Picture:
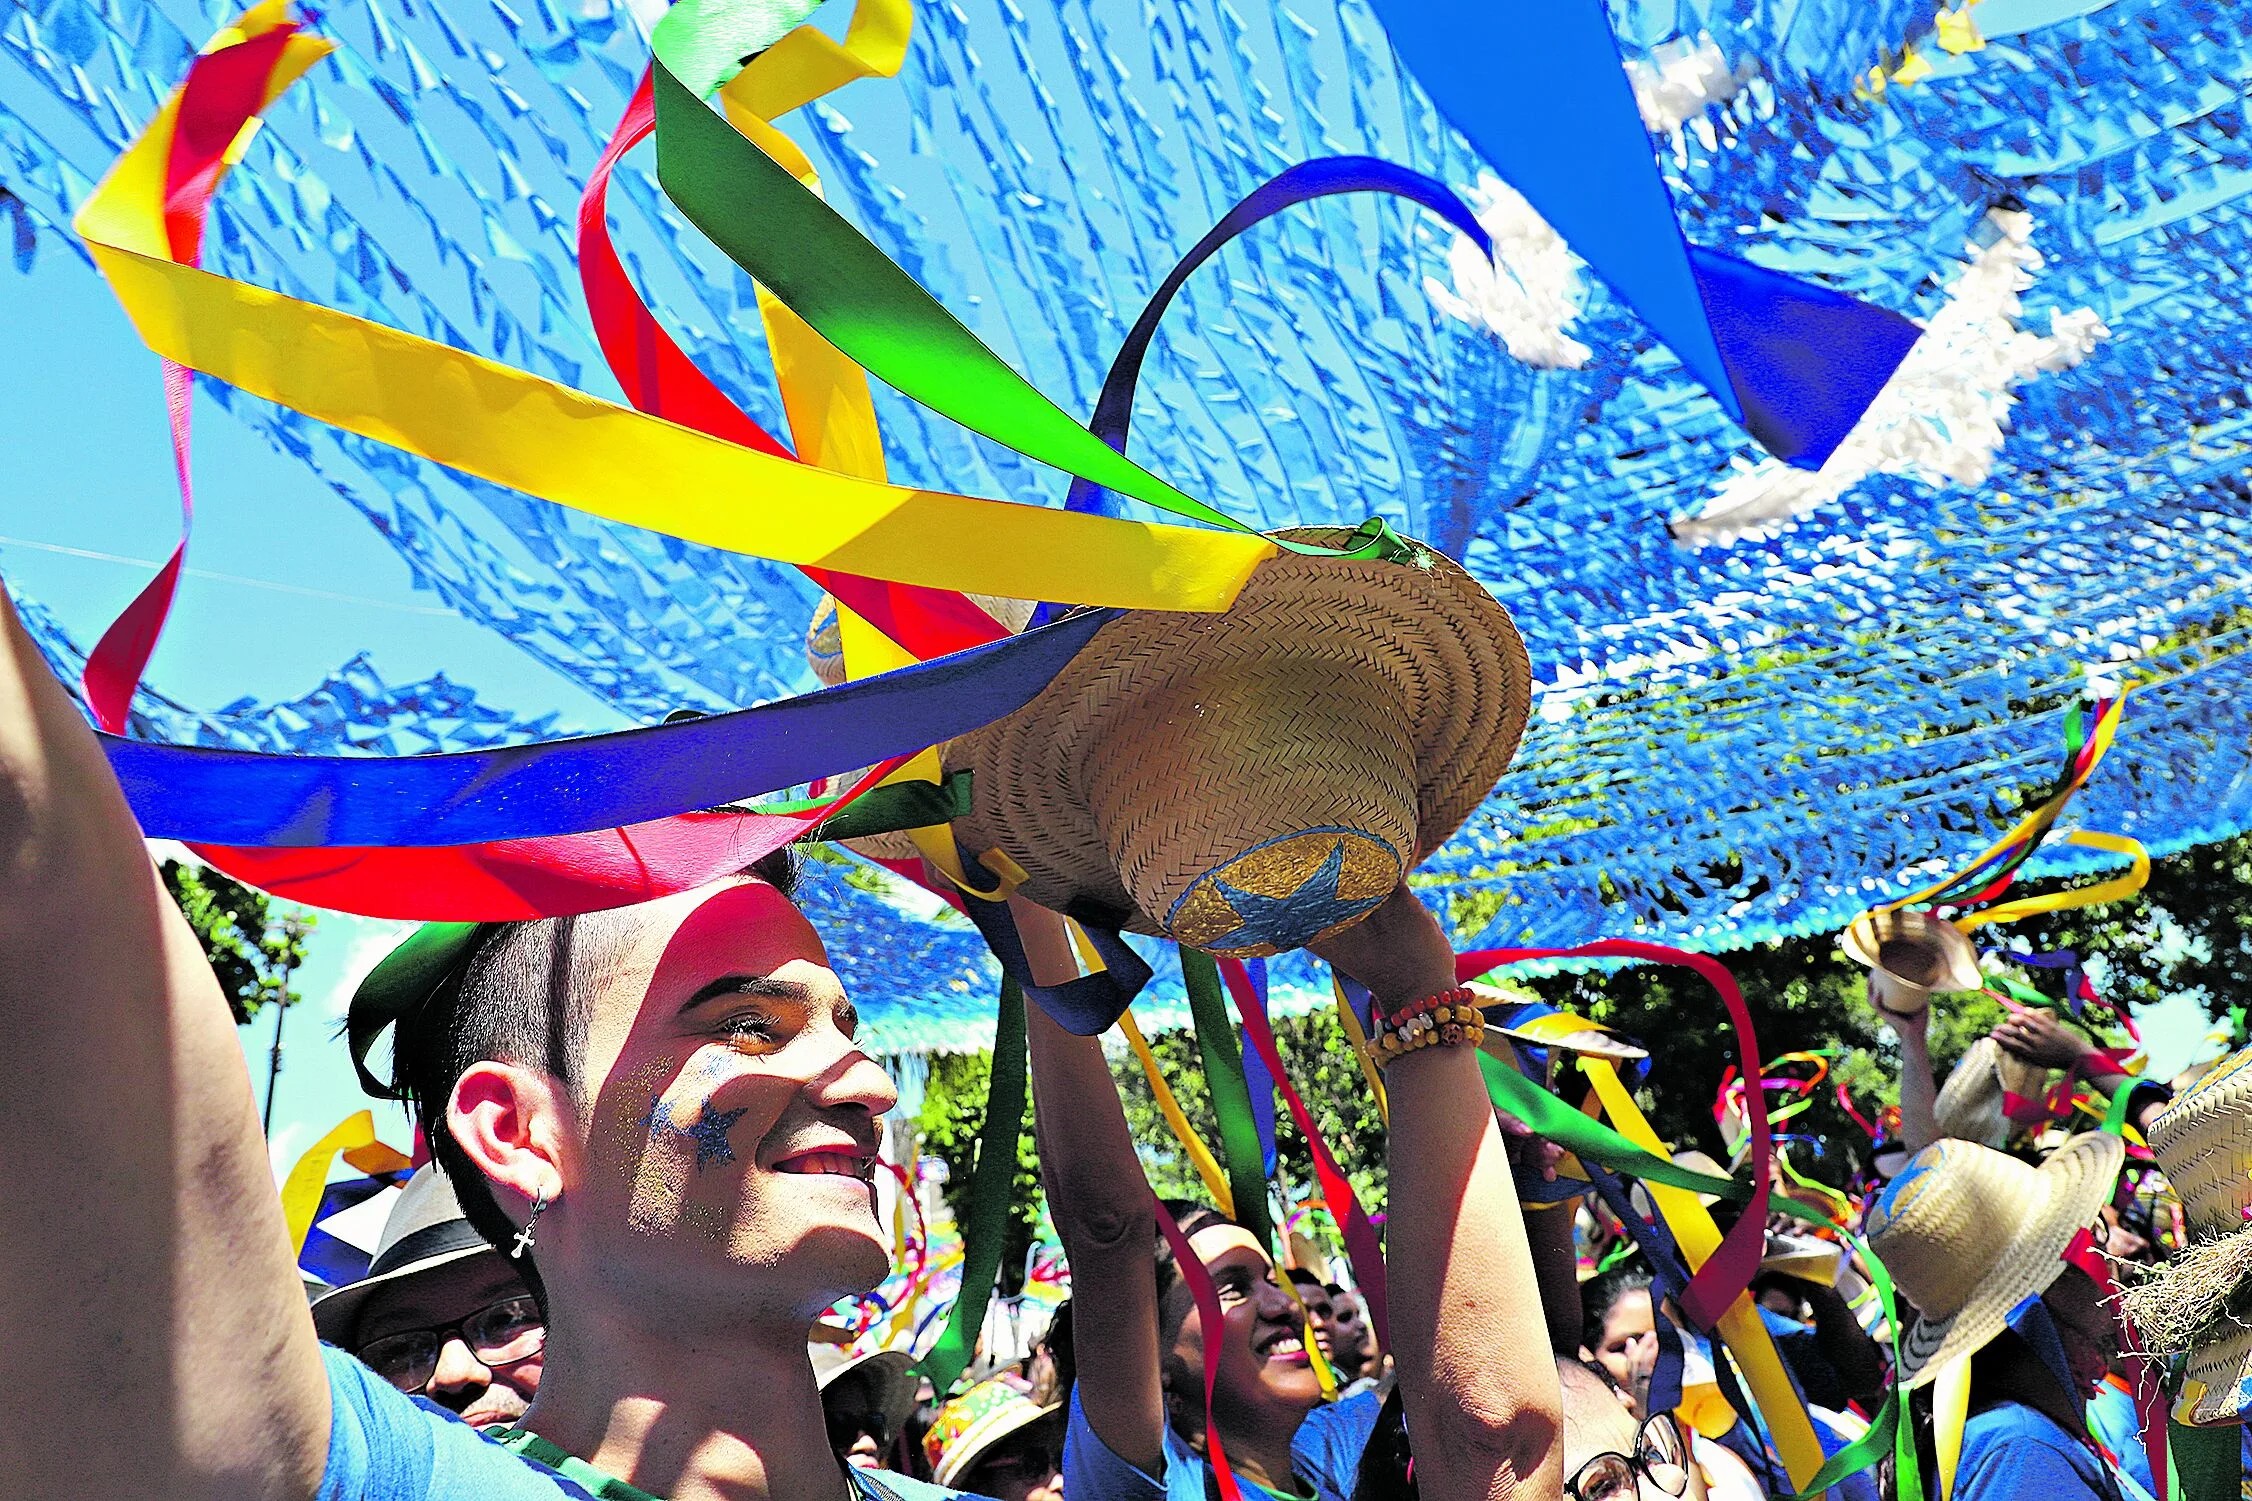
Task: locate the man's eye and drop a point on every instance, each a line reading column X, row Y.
column 750, row 1029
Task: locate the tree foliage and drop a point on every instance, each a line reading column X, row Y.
column 253, row 949
column 952, row 1115
column 2189, row 931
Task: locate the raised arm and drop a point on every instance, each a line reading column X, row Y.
column 1101, row 1206
column 154, row 1339
column 1483, row 1410
column 1919, row 1090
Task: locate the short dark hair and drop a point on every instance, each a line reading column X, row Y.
column 1602, row 1294
column 524, row 995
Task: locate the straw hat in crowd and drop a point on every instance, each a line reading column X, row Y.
column 1969, row 1233
column 1254, row 780
column 974, row 1424
column 1973, row 1103
column 2198, row 1301
column 1910, row 956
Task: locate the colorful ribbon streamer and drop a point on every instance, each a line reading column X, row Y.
column 1362, row 1247
column 1541, row 92
column 992, row 1187
column 1231, row 1095
column 515, row 429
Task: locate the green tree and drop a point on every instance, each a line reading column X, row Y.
column 1321, row 1065
column 253, row 949
column 952, row 1115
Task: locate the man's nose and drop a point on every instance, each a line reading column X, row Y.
column 460, row 1373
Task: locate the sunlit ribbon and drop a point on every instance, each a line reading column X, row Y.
column 301, row 1190
column 548, row 440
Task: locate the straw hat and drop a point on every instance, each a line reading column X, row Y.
column 1255, row 780
column 1969, row 1106
column 967, row 1428
column 2203, row 1142
column 1969, row 1233
column 1553, row 1029
column 1910, row 955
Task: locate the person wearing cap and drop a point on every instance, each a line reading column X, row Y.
column 1997, row 1257
column 661, row 1111
column 866, row 1400
column 1460, row 1283
column 440, row 1313
column 994, row 1439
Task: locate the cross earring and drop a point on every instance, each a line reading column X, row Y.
column 524, row 1236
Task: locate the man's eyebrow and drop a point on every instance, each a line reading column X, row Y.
column 764, row 987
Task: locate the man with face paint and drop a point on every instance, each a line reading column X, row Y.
column 1465, row 1312
column 666, row 1102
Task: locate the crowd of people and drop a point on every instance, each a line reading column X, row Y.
column 653, row 1140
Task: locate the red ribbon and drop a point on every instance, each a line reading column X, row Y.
column 516, row 879
column 1729, row 1270
column 1214, row 1329
column 1362, row 1247
column 224, row 89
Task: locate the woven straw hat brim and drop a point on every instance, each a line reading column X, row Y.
column 2224, row 1369
column 1342, row 658
column 2073, row 1185
column 981, row 1437
column 2203, row 1142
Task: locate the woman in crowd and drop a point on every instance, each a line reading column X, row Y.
column 1462, row 1299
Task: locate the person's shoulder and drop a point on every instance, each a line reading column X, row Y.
column 2011, row 1451
column 386, row 1446
column 888, row 1485
column 1092, row 1471
column 1353, row 1413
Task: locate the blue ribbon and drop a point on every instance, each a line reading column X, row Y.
column 1257, row 1076
column 1540, row 91
column 1319, row 178
column 228, row 797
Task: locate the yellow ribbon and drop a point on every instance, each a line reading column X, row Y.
column 1740, row 1327
column 2115, row 889
column 1351, row 1022
column 515, row 429
column 1207, row 1166
column 301, row 1190
column 1950, row 1410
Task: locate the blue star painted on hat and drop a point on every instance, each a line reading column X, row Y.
column 1287, row 922
column 710, row 1134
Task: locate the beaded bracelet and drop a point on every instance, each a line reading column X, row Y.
column 1447, row 1019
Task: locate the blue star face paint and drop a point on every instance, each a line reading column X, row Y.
column 710, row 1135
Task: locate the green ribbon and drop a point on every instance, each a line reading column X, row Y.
column 992, row 1187
column 1231, row 1093
column 890, row 808
column 1587, row 1138
column 2208, row 1460
column 783, row 235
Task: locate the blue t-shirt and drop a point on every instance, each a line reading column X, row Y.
column 1326, row 1452
column 386, row 1446
column 2111, row 1414
column 2012, row 1453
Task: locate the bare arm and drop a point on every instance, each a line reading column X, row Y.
column 1465, row 1306
column 1101, row 1206
column 1556, row 1265
column 1919, row 1091
column 153, row 1332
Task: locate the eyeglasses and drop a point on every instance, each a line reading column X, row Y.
column 1657, row 1454
column 846, row 1428
column 499, row 1334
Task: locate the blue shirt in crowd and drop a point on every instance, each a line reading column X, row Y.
column 1326, row 1454
column 2012, row 1453
column 386, row 1446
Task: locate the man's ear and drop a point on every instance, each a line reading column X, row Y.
column 515, row 1124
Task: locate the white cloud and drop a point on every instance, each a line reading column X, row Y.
column 1681, row 80
column 1942, row 417
column 1528, row 293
